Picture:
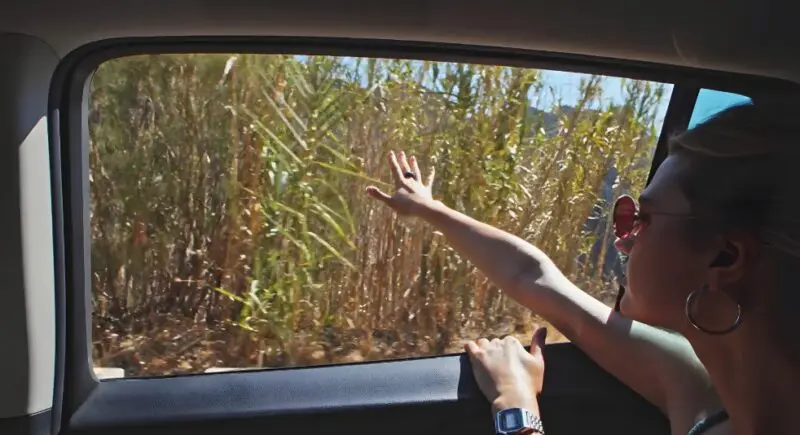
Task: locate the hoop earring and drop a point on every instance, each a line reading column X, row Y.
column 690, row 300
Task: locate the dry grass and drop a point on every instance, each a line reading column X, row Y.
column 229, row 224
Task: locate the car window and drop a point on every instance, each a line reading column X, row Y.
column 710, row 102
column 230, row 227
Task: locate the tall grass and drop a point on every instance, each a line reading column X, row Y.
column 229, row 224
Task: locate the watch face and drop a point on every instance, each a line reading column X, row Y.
column 510, row 420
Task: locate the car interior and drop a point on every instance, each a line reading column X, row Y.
column 53, row 50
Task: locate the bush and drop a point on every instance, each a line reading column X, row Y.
column 229, row 224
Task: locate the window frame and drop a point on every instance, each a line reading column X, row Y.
column 75, row 381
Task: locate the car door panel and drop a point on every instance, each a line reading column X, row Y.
column 421, row 396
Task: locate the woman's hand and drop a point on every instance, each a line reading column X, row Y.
column 507, row 374
column 410, row 194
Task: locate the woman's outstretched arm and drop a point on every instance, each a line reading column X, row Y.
column 659, row 365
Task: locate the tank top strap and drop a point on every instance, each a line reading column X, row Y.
column 707, row 423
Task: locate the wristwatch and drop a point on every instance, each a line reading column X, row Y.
column 517, row 421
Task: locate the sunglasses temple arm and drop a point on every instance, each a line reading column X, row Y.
column 620, row 292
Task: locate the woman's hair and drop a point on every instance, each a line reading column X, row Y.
column 743, row 172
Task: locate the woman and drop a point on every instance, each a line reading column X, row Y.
column 713, row 253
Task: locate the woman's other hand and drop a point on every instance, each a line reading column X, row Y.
column 507, row 374
column 411, row 194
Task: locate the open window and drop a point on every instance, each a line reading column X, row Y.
column 214, row 220
column 230, row 228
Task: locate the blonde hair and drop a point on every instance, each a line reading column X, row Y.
column 744, row 170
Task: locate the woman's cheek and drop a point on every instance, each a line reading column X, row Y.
column 641, row 275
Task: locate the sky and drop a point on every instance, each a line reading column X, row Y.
column 709, row 101
column 567, row 85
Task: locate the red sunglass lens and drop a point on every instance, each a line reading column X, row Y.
column 624, row 216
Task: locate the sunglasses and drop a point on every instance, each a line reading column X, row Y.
column 627, row 218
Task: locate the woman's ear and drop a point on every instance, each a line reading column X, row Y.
column 731, row 263
column 726, row 257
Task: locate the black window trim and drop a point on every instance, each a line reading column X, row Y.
column 679, row 112
column 68, row 132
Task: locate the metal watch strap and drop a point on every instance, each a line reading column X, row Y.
column 531, row 423
column 534, row 422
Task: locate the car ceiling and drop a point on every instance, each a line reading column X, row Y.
column 733, row 35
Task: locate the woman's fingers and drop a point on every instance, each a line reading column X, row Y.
column 540, row 336
column 379, row 195
column 397, row 171
column 415, row 168
column 404, row 162
column 511, row 342
column 538, row 340
column 472, row 348
column 401, row 166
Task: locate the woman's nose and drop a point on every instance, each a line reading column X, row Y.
column 624, row 245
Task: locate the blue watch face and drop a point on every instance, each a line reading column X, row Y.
column 510, row 420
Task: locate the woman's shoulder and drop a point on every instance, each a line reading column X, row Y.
column 690, row 394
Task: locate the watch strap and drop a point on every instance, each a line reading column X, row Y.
column 533, row 424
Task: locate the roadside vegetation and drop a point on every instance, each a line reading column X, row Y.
column 230, row 226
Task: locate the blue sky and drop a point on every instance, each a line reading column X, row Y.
column 708, row 103
column 567, row 85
